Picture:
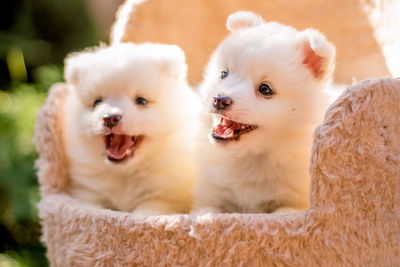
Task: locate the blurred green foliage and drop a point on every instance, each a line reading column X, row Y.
column 18, row 186
column 35, row 36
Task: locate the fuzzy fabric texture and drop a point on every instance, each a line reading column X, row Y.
column 354, row 219
column 52, row 164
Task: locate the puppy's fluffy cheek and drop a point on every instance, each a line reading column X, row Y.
column 147, row 123
column 283, row 115
column 159, row 126
column 133, row 124
column 90, row 123
column 272, row 117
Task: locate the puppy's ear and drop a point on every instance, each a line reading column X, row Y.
column 318, row 53
column 242, row 19
column 172, row 61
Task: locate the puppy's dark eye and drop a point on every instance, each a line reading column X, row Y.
column 141, row 101
column 97, row 101
column 224, row 74
column 266, row 90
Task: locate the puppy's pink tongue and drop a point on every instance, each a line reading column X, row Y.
column 120, row 146
column 225, row 128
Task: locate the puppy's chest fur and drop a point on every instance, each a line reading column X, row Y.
column 110, row 189
column 261, row 183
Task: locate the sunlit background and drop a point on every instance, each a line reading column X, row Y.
column 35, row 36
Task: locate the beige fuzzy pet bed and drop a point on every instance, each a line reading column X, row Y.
column 354, row 219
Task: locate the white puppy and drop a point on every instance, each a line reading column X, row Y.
column 265, row 87
column 127, row 117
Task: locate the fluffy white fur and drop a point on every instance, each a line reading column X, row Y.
column 265, row 170
column 158, row 177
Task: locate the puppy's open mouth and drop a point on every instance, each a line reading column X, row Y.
column 227, row 130
column 120, row 147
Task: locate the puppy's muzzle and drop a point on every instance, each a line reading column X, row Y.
column 221, row 102
column 111, row 120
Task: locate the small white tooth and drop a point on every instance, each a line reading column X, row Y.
column 224, row 122
column 111, row 139
column 216, row 121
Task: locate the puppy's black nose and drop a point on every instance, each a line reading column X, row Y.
column 111, row 120
column 221, row 102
